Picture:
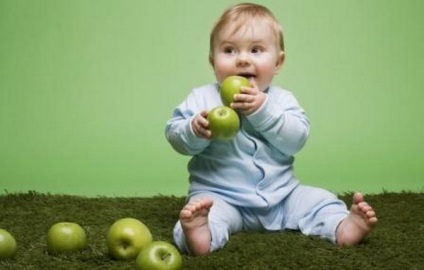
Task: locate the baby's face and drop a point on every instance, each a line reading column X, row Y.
column 252, row 51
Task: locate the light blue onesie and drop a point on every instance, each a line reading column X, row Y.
column 250, row 178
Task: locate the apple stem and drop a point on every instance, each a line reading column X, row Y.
column 165, row 256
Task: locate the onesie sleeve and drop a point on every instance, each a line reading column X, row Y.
column 179, row 132
column 282, row 122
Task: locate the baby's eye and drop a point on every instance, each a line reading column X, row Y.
column 257, row 50
column 229, row 50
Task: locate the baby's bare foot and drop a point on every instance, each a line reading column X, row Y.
column 360, row 221
column 194, row 221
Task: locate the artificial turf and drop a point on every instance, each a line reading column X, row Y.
column 396, row 243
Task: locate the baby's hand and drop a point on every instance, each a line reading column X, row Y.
column 200, row 124
column 250, row 99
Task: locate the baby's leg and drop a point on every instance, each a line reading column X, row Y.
column 360, row 221
column 206, row 224
column 195, row 225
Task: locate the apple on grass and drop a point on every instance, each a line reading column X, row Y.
column 159, row 255
column 126, row 237
column 66, row 237
column 224, row 123
column 231, row 86
column 8, row 246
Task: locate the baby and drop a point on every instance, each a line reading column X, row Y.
column 248, row 183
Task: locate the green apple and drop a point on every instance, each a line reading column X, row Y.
column 126, row 237
column 159, row 255
column 8, row 246
column 65, row 237
column 231, row 86
column 224, row 123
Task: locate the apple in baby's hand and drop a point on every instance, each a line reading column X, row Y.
column 231, row 86
column 224, row 123
column 126, row 237
column 65, row 237
column 8, row 246
column 159, row 255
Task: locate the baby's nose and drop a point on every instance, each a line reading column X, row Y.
column 243, row 59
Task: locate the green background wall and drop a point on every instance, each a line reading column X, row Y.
column 86, row 88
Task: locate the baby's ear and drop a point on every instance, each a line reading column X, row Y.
column 211, row 59
column 280, row 61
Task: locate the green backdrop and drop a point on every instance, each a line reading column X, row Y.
column 86, row 88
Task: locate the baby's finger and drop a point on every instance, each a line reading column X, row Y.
column 204, row 114
column 203, row 122
column 247, row 90
column 254, row 85
column 253, row 82
column 244, row 98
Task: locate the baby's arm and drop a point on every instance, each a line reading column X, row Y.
column 187, row 131
column 282, row 122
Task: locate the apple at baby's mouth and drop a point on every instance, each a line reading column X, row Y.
column 232, row 86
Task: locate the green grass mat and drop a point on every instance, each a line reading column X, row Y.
column 396, row 243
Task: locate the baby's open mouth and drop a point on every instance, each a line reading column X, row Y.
column 247, row 75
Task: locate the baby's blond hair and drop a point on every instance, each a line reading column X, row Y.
column 237, row 16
